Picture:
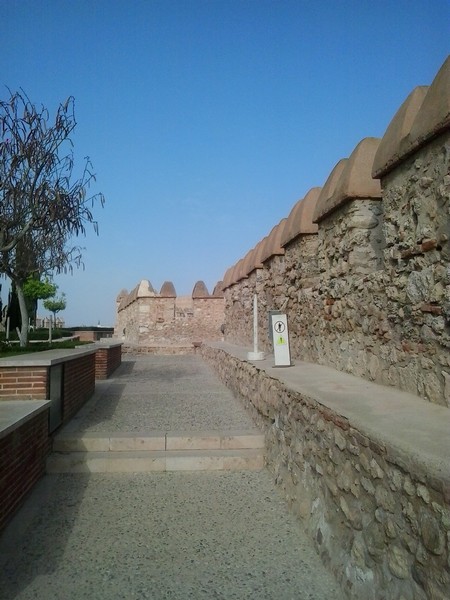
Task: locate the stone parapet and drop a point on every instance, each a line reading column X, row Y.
column 424, row 115
column 369, row 293
column 364, row 466
column 157, row 320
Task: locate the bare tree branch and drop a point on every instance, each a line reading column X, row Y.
column 41, row 207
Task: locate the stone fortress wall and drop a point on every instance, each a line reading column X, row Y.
column 148, row 319
column 361, row 266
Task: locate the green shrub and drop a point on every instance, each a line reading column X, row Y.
column 39, row 334
column 8, row 349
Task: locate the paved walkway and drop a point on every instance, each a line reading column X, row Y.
column 160, row 535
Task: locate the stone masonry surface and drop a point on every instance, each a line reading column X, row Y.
column 369, row 293
column 158, row 320
column 377, row 505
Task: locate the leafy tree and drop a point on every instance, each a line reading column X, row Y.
column 41, row 208
column 55, row 305
column 39, row 290
column 36, row 289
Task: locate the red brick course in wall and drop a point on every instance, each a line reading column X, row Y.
column 22, row 463
column 79, row 384
column 23, row 382
column 107, row 360
column 23, row 450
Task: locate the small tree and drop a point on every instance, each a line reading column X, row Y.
column 55, row 305
column 35, row 289
column 41, row 209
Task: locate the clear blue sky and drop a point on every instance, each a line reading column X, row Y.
column 207, row 120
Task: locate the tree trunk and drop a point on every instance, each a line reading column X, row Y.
column 23, row 314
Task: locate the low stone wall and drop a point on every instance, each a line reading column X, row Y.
column 376, row 504
column 162, row 350
column 24, row 446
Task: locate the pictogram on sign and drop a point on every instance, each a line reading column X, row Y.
column 281, row 340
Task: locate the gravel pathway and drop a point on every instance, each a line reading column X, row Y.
column 156, row 536
column 162, row 393
column 175, row 535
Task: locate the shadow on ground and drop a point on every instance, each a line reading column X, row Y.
column 39, row 533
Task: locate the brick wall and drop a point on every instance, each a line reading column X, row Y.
column 79, row 384
column 107, row 360
column 23, row 382
column 22, row 463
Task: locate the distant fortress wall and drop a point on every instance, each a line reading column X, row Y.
column 361, row 266
column 147, row 318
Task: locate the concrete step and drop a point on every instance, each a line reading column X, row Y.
column 151, row 461
column 118, row 452
column 156, row 440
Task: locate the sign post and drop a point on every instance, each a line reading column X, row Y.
column 281, row 341
column 255, row 355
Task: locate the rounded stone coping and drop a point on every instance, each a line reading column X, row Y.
column 434, row 114
column 237, row 271
column 272, row 246
column 355, row 180
column 227, row 277
column 14, row 413
column 121, row 295
column 259, row 249
column 47, row 358
column 388, row 153
column 168, row 290
column 218, row 290
column 412, row 430
column 200, row 291
column 424, row 115
column 247, row 264
column 145, row 289
column 300, row 218
column 328, row 190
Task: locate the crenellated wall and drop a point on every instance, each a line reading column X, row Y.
column 361, row 266
column 149, row 319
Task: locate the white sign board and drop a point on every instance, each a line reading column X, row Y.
column 281, row 341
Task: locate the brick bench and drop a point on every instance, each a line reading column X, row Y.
column 108, row 357
column 65, row 377
column 24, row 446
